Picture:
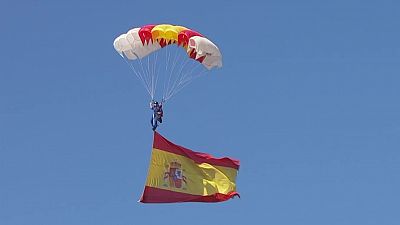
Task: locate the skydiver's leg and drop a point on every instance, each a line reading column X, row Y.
column 153, row 122
column 155, row 125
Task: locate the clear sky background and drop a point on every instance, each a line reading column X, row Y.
column 307, row 99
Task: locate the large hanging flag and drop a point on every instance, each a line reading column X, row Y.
column 177, row 174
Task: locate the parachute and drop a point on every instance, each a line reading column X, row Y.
column 167, row 56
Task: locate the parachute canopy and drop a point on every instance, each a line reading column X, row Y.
column 142, row 42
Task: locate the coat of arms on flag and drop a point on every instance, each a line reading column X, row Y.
column 173, row 177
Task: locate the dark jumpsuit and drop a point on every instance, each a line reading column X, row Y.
column 157, row 115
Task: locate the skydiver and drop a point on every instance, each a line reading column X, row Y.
column 157, row 113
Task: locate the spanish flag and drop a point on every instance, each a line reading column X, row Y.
column 177, row 174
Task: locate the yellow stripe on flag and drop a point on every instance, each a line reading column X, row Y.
column 178, row 173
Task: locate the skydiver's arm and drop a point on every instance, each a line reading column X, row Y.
column 151, row 104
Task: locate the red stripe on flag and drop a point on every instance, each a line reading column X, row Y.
column 157, row 195
column 163, row 144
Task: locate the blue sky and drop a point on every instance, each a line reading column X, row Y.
column 307, row 99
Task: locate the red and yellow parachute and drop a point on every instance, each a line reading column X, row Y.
column 140, row 42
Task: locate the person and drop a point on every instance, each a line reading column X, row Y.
column 157, row 113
